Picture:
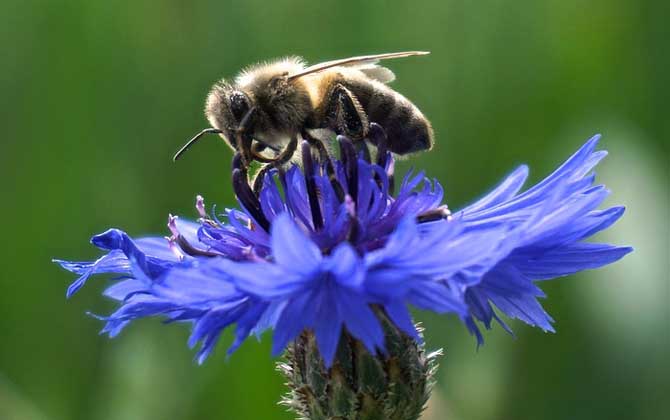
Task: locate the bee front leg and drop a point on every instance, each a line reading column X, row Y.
column 276, row 162
column 243, row 139
column 345, row 115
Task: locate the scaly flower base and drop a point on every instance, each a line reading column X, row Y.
column 359, row 386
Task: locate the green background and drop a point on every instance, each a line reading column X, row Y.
column 95, row 96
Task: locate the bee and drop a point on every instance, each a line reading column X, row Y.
column 269, row 105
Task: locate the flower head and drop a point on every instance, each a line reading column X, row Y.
column 325, row 247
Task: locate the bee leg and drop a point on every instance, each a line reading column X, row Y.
column 243, row 145
column 281, row 159
column 345, row 115
column 255, row 155
column 325, row 158
column 310, row 182
column 242, row 137
column 259, row 147
column 287, row 153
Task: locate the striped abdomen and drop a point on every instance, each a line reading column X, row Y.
column 407, row 129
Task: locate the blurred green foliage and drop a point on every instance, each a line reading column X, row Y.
column 95, row 96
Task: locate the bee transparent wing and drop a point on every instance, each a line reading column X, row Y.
column 376, row 72
column 369, row 61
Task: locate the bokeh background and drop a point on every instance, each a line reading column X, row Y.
column 95, row 96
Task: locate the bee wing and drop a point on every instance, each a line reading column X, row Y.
column 362, row 62
column 377, row 72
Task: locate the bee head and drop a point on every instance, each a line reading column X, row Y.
column 226, row 107
column 263, row 102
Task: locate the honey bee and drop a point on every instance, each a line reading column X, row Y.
column 268, row 106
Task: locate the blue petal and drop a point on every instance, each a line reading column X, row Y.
column 269, row 318
column 515, row 295
column 263, row 279
column 270, row 198
column 506, row 190
column 156, row 247
column 399, row 315
column 296, row 316
column 569, row 259
column 291, row 248
column 327, row 322
column 566, row 180
column 247, row 322
column 201, row 282
column 123, row 289
column 575, row 167
column 209, row 327
column 115, row 239
column 360, row 321
column 583, row 226
column 436, row 297
column 346, row 266
column 413, row 258
column 113, row 262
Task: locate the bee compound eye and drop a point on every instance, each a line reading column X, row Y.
column 239, row 105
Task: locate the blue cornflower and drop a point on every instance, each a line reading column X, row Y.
column 325, row 247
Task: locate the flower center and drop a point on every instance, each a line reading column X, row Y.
column 349, row 198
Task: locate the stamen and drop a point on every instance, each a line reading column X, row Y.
column 366, row 151
column 378, row 137
column 350, row 162
column 389, row 175
column 179, row 239
column 350, row 205
column 324, row 157
column 204, row 217
column 248, row 199
column 237, row 162
column 174, row 248
column 439, row 213
column 354, row 228
column 308, row 165
column 193, row 251
column 200, row 206
column 172, row 225
column 259, row 179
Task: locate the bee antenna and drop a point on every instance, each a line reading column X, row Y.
column 190, row 143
